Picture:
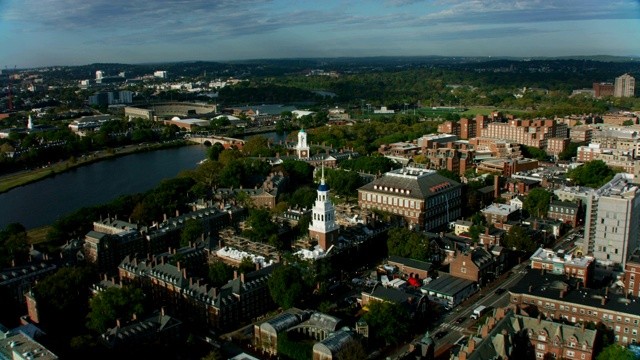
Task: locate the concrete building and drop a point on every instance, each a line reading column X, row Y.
column 111, row 98
column 617, row 138
column 580, row 134
column 624, row 86
column 16, row 345
column 161, row 74
column 423, row 198
column 612, row 224
column 623, row 159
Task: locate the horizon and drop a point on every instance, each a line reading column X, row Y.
column 40, row 34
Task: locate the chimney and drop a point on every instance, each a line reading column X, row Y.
column 257, row 266
column 235, row 274
column 606, row 291
column 177, row 212
column 162, row 311
column 118, row 323
column 496, row 186
column 500, row 314
column 562, row 293
column 535, row 224
column 486, row 246
column 486, row 230
column 578, row 285
column 462, row 355
column 604, row 301
column 242, row 278
column 162, row 260
column 530, row 288
column 134, row 317
column 485, row 331
column 539, row 318
column 184, row 273
column 472, row 345
column 582, row 329
column 215, row 292
column 164, row 217
column 491, row 322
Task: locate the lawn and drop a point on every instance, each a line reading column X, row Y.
column 38, row 235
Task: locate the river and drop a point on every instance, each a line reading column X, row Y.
column 43, row 202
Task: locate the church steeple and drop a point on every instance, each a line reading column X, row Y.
column 302, row 148
column 323, row 226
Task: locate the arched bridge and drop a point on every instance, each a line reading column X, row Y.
column 212, row 139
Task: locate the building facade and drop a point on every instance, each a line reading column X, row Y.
column 624, row 86
column 423, row 198
column 323, row 227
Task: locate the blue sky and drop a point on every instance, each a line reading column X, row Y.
column 37, row 33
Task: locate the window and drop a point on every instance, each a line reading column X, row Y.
column 463, row 270
column 570, row 353
column 540, row 346
column 539, row 355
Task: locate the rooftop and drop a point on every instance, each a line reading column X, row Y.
column 448, row 285
column 548, row 255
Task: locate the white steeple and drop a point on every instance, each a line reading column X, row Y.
column 30, row 123
column 323, row 225
column 302, row 148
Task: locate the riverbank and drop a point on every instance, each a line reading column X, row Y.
column 21, row 178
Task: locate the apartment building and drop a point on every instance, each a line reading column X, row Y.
column 535, row 133
column 557, row 145
column 495, row 148
column 615, row 158
column 568, row 212
column 506, row 167
column 555, row 297
column 468, row 128
column 424, row 198
column 509, row 335
column 580, row 134
column 632, row 274
column 500, row 213
column 624, row 86
column 603, row 89
column 456, row 157
column 612, row 223
column 617, row 138
column 619, row 119
column 171, row 286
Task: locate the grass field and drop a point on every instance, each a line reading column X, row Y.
column 487, row 111
column 38, row 235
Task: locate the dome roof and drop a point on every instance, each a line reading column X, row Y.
column 323, row 187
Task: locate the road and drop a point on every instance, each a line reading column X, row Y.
column 486, row 297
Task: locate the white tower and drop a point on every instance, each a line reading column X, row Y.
column 99, row 74
column 302, row 148
column 30, row 123
column 323, row 226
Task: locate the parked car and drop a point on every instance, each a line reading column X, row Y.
column 499, row 291
column 460, row 320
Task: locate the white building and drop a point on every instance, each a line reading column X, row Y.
column 612, row 224
column 99, row 74
column 323, row 226
column 302, row 147
column 160, row 74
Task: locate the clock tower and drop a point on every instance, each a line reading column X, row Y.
column 323, row 226
column 302, row 147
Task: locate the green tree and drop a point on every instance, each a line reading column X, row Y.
column 220, row 273
column 617, row 352
column 518, row 239
column 246, row 265
column 352, row 350
column 14, row 244
column 537, row 202
column 112, row 304
column 63, row 296
column 389, row 321
column 406, row 243
column 191, row 232
column 533, row 153
column 449, row 174
column 255, row 145
column 592, row 174
column 260, row 225
column 286, row 286
column 345, row 183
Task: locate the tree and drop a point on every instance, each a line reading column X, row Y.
column 389, row 321
column 406, row 243
column 62, row 297
column 14, row 243
column 449, row 174
column 345, row 183
column 533, row 153
column 617, row 352
column 255, row 144
column 246, row 265
column 112, row 304
column 220, row 273
column 352, row 350
column 518, row 239
column 191, row 232
column 261, row 226
column 592, row 174
column 537, row 202
column 285, row 286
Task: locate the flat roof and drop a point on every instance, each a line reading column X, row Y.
column 448, row 285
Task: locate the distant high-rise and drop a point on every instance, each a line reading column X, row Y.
column 625, row 86
column 99, row 74
column 161, row 74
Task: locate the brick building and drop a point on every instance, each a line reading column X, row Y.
column 500, row 213
column 507, row 167
column 533, row 133
column 577, row 267
column 476, row 264
column 603, row 89
column 423, row 198
column 567, row 212
column 226, row 308
column 456, row 157
column 580, row 134
column 555, row 297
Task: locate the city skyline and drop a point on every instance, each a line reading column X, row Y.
column 36, row 33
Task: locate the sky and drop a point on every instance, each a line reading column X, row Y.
column 37, row 33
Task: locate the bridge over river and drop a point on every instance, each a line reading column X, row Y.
column 212, row 139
